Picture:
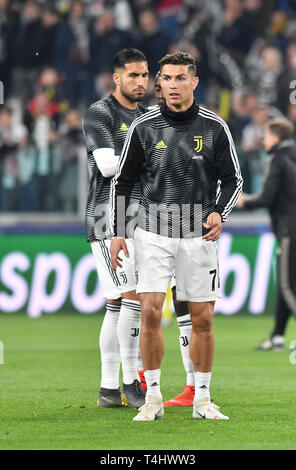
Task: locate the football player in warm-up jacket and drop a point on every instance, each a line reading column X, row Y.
column 105, row 127
column 179, row 153
column 183, row 318
column 278, row 194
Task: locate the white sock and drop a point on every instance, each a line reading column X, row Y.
column 185, row 326
column 109, row 347
column 128, row 330
column 202, row 385
column 153, row 384
column 140, row 365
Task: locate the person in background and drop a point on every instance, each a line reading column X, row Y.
column 153, row 41
column 235, row 32
column 73, row 57
column 104, row 84
column 158, row 90
column 279, row 196
column 251, row 146
column 287, row 78
column 27, row 180
column 268, row 73
column 50, row 21
column 42, row 119
column 12, row 135
column 7, row 31
column 292, row 116
column 69, row 146
column 106, row 40
column 50, row 83
column 169, row 12
column 27, row 58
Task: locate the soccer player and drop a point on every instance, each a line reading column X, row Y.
column 105, row 127
column 179, row 153
column 279, row 196
column 183, row 317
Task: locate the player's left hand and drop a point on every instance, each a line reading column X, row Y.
column 117, row 244
column 214, row 222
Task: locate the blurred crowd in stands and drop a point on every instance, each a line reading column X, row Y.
column 56, row 58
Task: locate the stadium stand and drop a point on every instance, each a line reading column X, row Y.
column 55, row 59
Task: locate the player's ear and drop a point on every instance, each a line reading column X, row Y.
column 116, row 78
column 195, row 82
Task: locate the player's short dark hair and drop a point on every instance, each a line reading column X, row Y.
column 281, row 127
column 127, row 56
column 179, row 58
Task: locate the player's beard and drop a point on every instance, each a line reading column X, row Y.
column 130, row 97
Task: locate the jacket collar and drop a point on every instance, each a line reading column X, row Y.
column 181, row 116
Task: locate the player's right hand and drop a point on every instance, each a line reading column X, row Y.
column 241, row 201
column 117, row 244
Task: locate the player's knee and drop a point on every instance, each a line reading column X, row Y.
column 151, row 316
column 204, row 321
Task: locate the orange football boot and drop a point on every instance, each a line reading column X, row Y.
column 184, row 399
column 142, row 380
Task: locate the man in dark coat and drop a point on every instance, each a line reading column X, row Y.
column 279, row 196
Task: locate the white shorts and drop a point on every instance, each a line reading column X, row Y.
column 173, row 281
column 193, row 260
column 124, row 280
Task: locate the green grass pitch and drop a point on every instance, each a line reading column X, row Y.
column 50, row 376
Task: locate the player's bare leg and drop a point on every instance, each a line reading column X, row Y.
column 185, row 326
column 152, row 344
column 202, row 354
column 202, row 338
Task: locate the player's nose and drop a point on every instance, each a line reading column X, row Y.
column 141, row 80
